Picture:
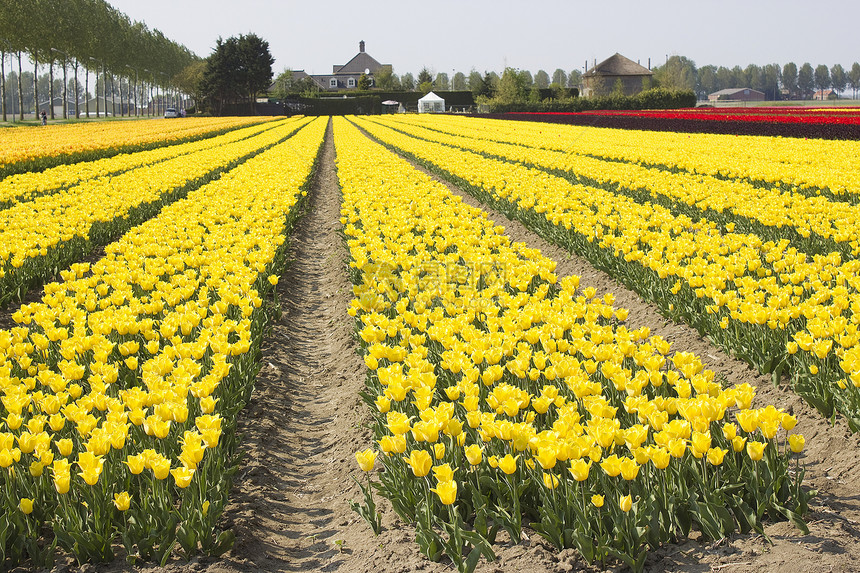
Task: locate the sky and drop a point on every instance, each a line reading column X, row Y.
column 447, row 35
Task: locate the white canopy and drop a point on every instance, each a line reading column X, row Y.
column 431, row 103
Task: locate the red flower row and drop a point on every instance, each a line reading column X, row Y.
column 844, row 116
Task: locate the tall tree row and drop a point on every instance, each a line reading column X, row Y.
column 75, row 36
column 777, row 82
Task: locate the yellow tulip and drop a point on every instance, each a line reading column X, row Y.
column 508, row 464
column 597, row 500
column 580, row 468
column 629, row 469
column 546, row 457
column 26, row 505
column 611, row 465
column 716, row 455
column 626, row 503
column 443, row 472
column 447, row 492
column 473, row 454
column 122, row 500
column 420, row 461
column 366, row 459
column 182, row 476
column 135, row 463
column 796, row 442
column 550, row 481
column 755, row 450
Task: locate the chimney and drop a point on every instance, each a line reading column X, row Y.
column 361, row 46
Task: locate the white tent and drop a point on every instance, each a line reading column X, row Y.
column 431, row 103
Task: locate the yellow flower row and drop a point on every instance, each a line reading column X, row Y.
column 133, row 368
column 836, row 221
column 794, row 163
column 42, row 233
column 24, row 186
column 514, row 387
column 757, row 297
column 30, row 143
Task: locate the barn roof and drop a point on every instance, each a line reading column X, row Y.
column 731, row 91
column 618, row 65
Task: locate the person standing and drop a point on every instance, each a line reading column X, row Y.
column 44, row 117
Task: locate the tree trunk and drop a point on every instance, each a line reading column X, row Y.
column 51, row 88
column 65, row 91
column 20, row 90
column 112, row 99
column 77, row 95
column 121, row 107
column 36, row 83
column 3, row 81
column 87, row 89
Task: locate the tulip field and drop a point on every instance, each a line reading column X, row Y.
column 121, row 387
column 502, row 399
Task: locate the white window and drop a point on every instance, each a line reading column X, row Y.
column 332, row 83
column 350, row 82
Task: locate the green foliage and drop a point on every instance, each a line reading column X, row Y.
column 385, row 78
column 80, row 30
column 364, row 83
column 238, row 68
column 678, row 73
column 481, row 86
column 822, row 77
column 805, row 80
column 854, row 78
column 513, row 86
column 657, row 98
column 425, row 77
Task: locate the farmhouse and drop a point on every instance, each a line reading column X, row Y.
column 346, row 76
column 604, row 77
column 736, row 94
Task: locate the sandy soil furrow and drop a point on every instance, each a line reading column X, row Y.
column 306, row 420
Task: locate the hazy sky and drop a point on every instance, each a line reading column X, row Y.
column 444, row 35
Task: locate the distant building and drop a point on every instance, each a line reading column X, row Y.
column 824, row 95
column 603, row 78
column 736, row 94
column 346, row 76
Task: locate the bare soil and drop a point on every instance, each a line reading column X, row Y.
column 305, row 421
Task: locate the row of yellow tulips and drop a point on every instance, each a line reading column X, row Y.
column 26, row 186
column 764, row 301
column 506, row 397
column 121, row 388
column 25, row 149
column 814, row 224
column 42, row 236
column 831, row 167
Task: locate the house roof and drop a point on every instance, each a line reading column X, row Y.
column 618, row 65
column 730, row 91
column 360, row 62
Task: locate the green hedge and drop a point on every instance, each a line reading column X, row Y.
column 650, row 99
